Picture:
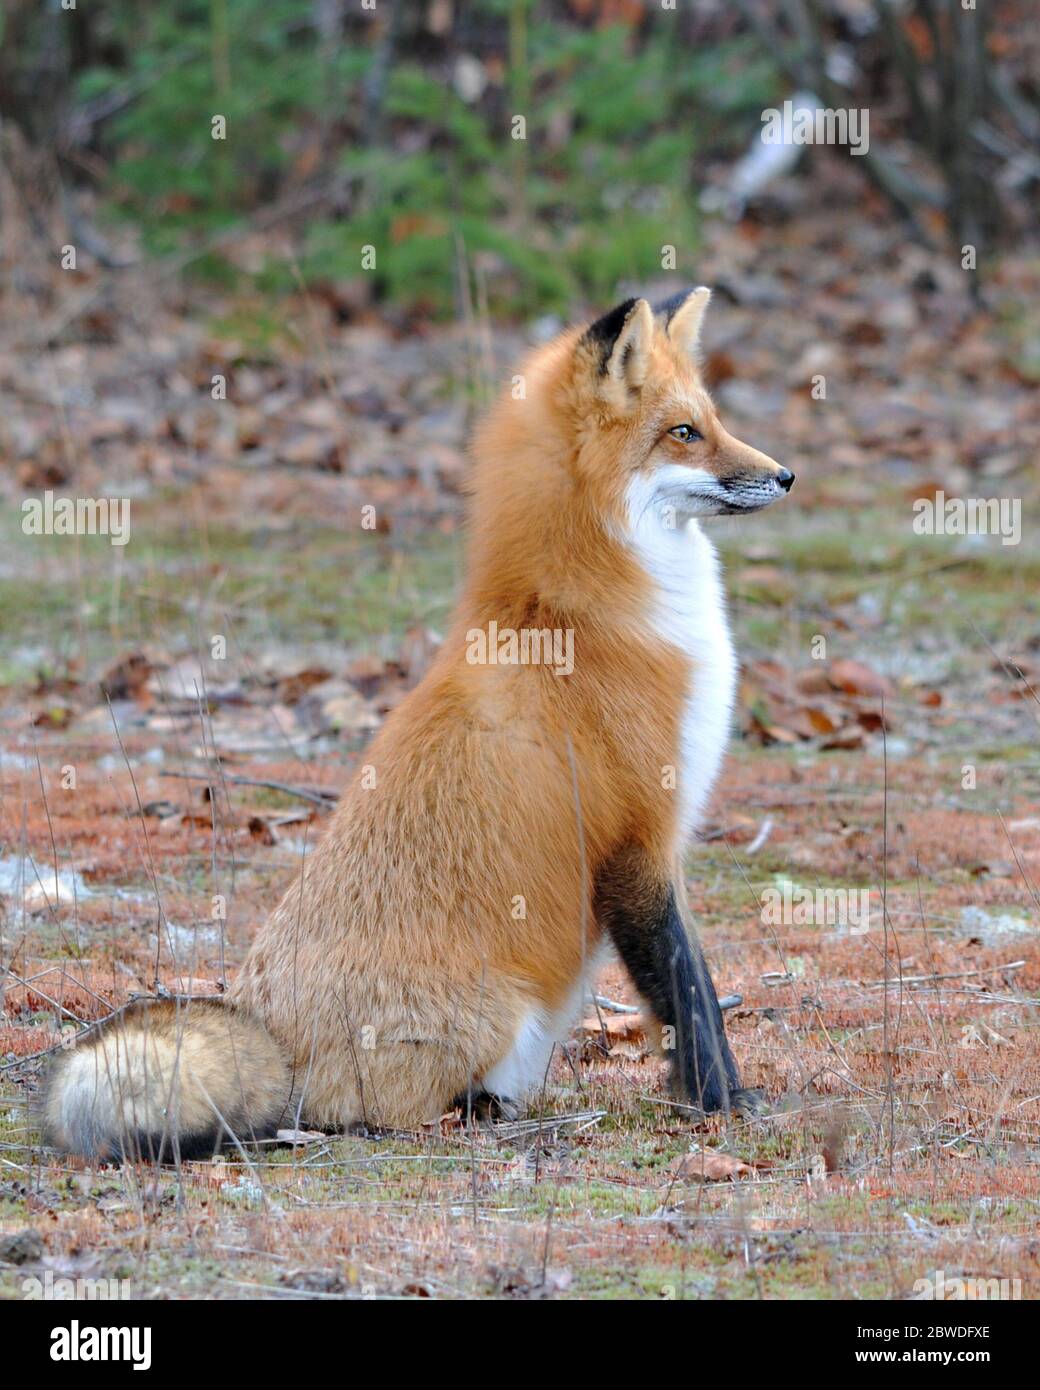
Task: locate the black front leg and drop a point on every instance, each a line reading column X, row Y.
column 636, row 904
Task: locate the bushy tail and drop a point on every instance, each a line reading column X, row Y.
column 168, row 1080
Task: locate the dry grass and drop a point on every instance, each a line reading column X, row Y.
column 904, row 1138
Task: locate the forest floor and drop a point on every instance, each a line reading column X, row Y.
column 898, row 758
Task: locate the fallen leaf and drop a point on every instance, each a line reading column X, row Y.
column 854, row 678
column 126, row 679
column 708, row 1165
column 293, row 687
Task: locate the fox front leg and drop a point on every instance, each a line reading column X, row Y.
column 635, row 903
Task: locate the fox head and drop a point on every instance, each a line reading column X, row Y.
column 647, row 431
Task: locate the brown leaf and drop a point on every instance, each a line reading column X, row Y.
column 292, row 688
column 125, row 680
column 813, row 680
column 845, row 738
column 315, row 449
column 53, row 717
column 260, row 830
column 776, row 733
column 872, row 719
column 709, row 1165
column 854, row 678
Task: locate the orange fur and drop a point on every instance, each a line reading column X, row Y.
column 403, row 919
column 451, row 897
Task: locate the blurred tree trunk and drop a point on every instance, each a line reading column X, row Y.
column 935, row 55
column 35, row 66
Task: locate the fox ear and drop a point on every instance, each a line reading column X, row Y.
column 684, row 319
column 620, row 342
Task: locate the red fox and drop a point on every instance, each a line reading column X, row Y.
column 515, row 812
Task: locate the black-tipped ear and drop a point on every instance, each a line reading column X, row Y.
column 668, row 308
column 604, row 333
column 620, row 343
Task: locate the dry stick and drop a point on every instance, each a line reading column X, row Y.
column 471, row 1126
column 941, row 1042
column 55, row 1047
column 987, row 997
column 832, row 1045
column 54, row 845
column 269, row 1207
column 612, row 1006
column 579, row 821
column 898, row 977
column 162, row 922
column 1021, row 867
column 27, row 858
column 18, row 979
column 228, row 839
column 775, row 940
column 757, row 901
column 52, row 908
column 295, row 982
column 952, row 975
column 884, row 925
column 216, row 808
column 700, row 966
column 314, row 795
column 60, row 970
column 1015, row 674
column 929, row 946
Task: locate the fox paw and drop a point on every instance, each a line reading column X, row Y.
column 486, row 1108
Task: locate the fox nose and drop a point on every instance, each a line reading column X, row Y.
column 785, row 478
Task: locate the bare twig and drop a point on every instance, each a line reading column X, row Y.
column 317, row 795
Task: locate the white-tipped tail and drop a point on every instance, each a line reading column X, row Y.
column 168, row 1080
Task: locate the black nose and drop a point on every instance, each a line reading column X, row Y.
column 785, row 478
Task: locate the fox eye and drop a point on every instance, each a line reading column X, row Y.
column 685, row 434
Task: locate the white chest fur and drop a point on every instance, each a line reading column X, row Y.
column 524, row 1066
column 690, row 613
